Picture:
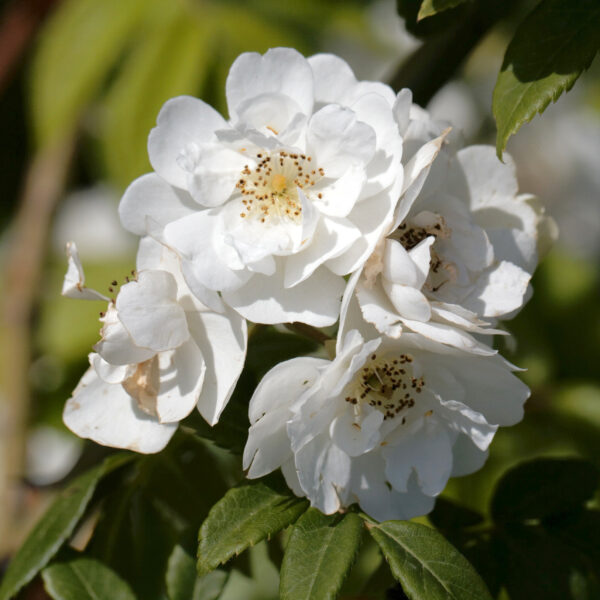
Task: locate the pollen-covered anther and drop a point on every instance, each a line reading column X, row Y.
column 270, row 190
column 387, row 384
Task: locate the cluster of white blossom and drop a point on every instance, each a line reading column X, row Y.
column 321, row 199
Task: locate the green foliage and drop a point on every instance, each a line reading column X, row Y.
column 55, row 527
column 426, row 564
column 158, row 506
column 549, row 51
column 244, row 516
column 542, row 488
column 543, row 542
column 319, row 554
column 85, row 579
column 75, row 54
column 432, row 7
column 183, row 582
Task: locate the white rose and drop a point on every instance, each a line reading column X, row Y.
column 161, row 354
column 273, row 207
column 385, row 424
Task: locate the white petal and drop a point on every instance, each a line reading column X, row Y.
column 206, row 258
column 407, row 268
column 377, row 309
column 295, row 376
column 150, row 196
column 333, row 78
column 375, row 111
column 181, row 121
column 373, row 217
column 73, row 285
column 268, row 445
column 337, row 140
column 428, row 451
column 447, row 334
column 181, row 376
column 422, row 160
column 467, row 457
column 223, row 339
column 408, row 301
column 117, row 346
column 106, row 414
column 498, row 291
column 288, row 468
column 149, row 311
column 339, row 196
column 322, row 467
column 401, row 109
column 280, row 70
column 486, row 177
column 332, row 237
column 469, row 422
column 315, row 301
column 491, row 389
column 110, row 373
column 271, row 112
column 356, row 436
column 216, row 171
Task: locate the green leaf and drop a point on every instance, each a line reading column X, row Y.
column 550, row 50
column 55, row 527
column 543, row 487
column 319, row 554
column 432, row 7
column 244, row 516
column 161, row 504
column 77, row 49
column 170, row 60
column 85, row 579
column 183, row 582
column 426, row 564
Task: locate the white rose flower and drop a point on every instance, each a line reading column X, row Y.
column 162, row 353
column 385, row 424
column 460, row 252
column 272, row 207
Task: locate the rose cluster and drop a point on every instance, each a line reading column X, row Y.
column 321, row 200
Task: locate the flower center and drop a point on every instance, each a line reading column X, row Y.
column 387, row 384
column 270, row 190
column 411, row 233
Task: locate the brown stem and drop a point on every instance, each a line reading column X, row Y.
column 25, row 255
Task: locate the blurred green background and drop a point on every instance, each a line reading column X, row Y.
column 81, row 83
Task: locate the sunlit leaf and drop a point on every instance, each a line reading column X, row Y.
column 244, row 516
column 319, row 554
column 431, row 7
column 426, row 564
column 76, row 52
column 549, row 51
column 85, row 579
